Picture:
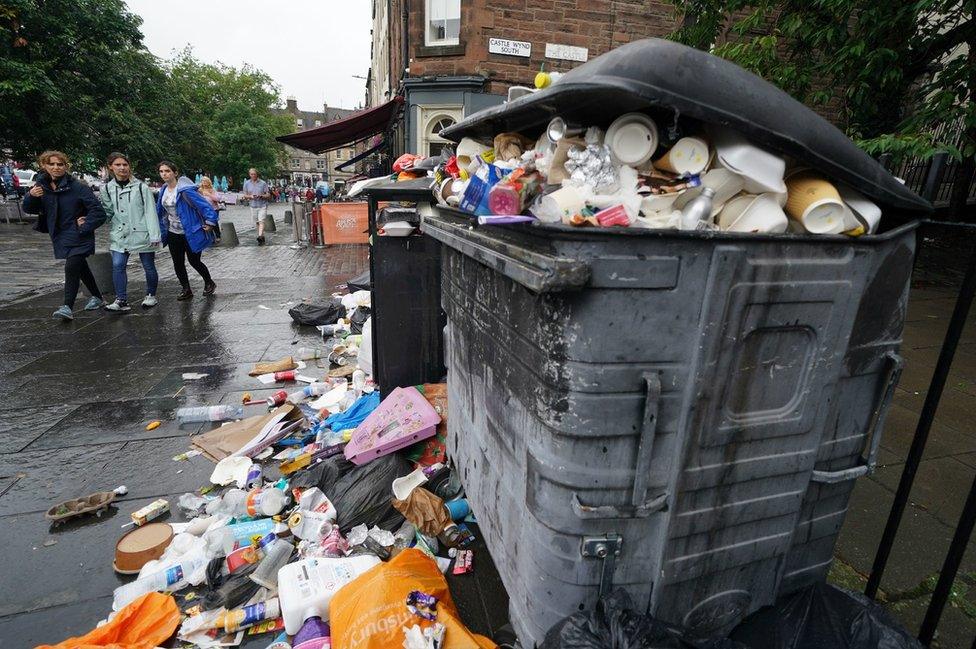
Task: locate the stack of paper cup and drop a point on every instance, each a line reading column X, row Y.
column 688, row 156
column 815, row 203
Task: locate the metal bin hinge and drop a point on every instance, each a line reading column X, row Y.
column 606, row 548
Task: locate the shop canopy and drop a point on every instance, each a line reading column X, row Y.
column 354, row 128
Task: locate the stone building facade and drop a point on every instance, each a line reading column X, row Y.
column 304, row 168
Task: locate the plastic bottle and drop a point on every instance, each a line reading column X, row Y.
column 276, row 555
column 209, row 413
column 255, row 476
column 309, row 353
column 316, row 389
column 697, row 214
column 241, row 618
column 232, row 503
column 306, row 587
column 358, row 382
column 266, row 502
column 172, row 578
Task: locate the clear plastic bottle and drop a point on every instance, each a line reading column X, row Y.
column 309, row 353
column 266, row 502
column 276, row 555
column 172, row 578
column 233, row 503
column 209, row 413
column 358, row 382
column 316, row 389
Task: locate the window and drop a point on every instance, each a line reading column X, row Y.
column 298, row 122
column 432, row 141
column 318, row 122
column 443, row 22
column 320, row 164
column 338, row 154
column 295, row 163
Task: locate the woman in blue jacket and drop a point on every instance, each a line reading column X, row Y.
column 69, row 212
column 186, row 222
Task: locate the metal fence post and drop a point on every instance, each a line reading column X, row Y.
column 932, row 397
column 933, row 178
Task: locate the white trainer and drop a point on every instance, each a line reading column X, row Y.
column 150, row 301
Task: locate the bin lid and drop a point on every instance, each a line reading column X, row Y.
column 657, row 75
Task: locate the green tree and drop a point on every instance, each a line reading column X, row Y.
column 72, row 72
column 896, row 68
column 226, row 116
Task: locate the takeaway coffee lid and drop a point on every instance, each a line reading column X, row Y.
column 140, row 546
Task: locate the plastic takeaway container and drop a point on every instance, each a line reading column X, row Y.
column 682, row 414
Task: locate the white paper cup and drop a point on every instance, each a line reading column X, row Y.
column 632, row 139
column 860, row 210
column 750, row 213
column 552, row 207
column 403, row 486
column 688, row 156
column 468, row 149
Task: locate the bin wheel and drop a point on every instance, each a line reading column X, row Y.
column 505, row 638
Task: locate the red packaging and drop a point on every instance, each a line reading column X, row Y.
column 615, row 215
column 278, row 398
column 287, row 375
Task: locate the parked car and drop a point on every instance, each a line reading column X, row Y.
column 26, row 178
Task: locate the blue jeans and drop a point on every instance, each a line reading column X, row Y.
column 119, row 278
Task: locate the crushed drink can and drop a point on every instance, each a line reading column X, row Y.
column 287, row 375
column 278, row 398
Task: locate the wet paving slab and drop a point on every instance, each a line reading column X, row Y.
column 116, row 421
column 19, row 427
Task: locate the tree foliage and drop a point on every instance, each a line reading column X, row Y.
column 892, row 69
column 75, row 75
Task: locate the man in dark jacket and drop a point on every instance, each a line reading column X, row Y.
column 69, row 212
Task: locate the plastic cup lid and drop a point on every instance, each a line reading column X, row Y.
column 632, row 138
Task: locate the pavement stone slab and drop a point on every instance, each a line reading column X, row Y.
column 219, row 379
column 21, row 426
column 53, row 624
column 78, row 567
column 899, row 431
column 49, row 476
column 116, row 421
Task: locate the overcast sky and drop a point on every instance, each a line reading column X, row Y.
column 311, row 48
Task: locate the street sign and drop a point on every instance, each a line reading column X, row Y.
column 509, row 48
column 566, row 52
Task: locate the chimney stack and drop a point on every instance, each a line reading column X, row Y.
column 292, row 105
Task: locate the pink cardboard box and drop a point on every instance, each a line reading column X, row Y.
column 403, row 418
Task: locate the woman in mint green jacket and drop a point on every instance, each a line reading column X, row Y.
column 134, row 227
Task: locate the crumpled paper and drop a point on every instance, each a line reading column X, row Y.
column 425, row 510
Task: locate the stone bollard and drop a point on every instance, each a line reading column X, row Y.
column 288, row 217
column 101, row 267
column 228, row 235
column 269, row 223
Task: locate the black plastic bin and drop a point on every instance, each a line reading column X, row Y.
column 408, row 323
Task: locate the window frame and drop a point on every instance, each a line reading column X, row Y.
column 447, row 41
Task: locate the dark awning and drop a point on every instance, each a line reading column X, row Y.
column 356, row 127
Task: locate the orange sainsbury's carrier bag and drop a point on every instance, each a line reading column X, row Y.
column 371, row 611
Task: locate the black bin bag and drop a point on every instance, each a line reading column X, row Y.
column 318, row 314
column 616, row 625
column 822, row 616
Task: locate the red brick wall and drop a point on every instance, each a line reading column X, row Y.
column 598, row 25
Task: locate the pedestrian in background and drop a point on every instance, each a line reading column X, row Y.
column 69, row 212
column 257, row 193
column 188, row 222
column 130, row 209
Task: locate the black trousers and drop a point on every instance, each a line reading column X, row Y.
column 180, row 251
column 76, row 270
